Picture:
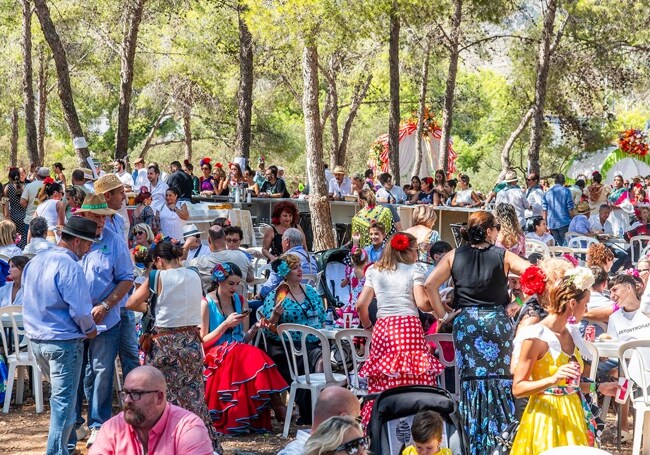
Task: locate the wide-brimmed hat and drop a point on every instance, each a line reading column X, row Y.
column 190, row 230
column 88, row 174
column 43, row 172
column 339, row 170
column 511, row 176
column 106, row 183
column 95, row 203
column 82, row 228
column 583, row 207
column 139, row 161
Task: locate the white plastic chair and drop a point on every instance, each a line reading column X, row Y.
column 581, row 241
column 636, row 368
column 560, row 250
column 297, row 354
column 448, row 363
column 535, row 246
column 4, row 257
column 347, row 336
column 645, row 252
column 637, row 244
column 593, row 371
column 19, row 360
column 569, row 235
column 260, row 333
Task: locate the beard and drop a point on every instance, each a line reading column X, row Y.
column 133, row 416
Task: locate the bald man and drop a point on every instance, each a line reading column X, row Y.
column 149, row 424
column 332, row 401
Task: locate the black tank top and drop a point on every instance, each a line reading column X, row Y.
column 478, row 275
column 276, row 243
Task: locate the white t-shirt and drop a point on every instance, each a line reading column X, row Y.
column 546, row 238
column 141, row 180
column 158, row 192
column 630, row 326
column 596, row 225
column 179, row 302
column 125, row 178
column 344, row 189
column 297, row 446
column 393, row 289
column 29, row 194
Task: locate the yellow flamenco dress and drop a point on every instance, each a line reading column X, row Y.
column 554, row 417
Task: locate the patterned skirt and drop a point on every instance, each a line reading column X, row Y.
column 240, row 380
column 398, row 356
column 178, row 354
column 483, row 341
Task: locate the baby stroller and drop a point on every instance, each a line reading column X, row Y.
column 393, row 411
column 332, row 263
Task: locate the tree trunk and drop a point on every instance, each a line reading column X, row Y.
column 394, row 114
column 28, row 86
column 129, row 42
column 13, row 151
column 543, row 64
column 448, row 109
column 321, row 219
column 152, row 131
column 335, row 158
column 422, row 107
column 357, row 98
column 187, row 131
column 63, row 74
column 505, row 152
column 245, row 92
column 42, row 103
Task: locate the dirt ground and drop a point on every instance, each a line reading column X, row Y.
column 23, row 432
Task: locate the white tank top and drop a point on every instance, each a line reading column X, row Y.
column 47, row 209
column 179, row 302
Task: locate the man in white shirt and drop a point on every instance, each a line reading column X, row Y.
column 192, row 237
column 598, row 223
column 28, row 197
column 120, row 170
column 389, row 193
column 332, row 401
column 534, row 195
column 512, row 194
column 156, row 186
column 139, row 174
column 340, row 185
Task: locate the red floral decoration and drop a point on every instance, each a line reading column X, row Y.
column 219, row 165
column 400, row 242
column 158, row 238
column 634, row 142
column 48, row 181
column 205, row 160
column 533, row 280
column 571, row 258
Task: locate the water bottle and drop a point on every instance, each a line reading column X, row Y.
column 237, row 195
column 248, row 197
column 329, row 318
column 620, row 232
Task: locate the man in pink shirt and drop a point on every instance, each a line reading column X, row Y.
column 149, row 424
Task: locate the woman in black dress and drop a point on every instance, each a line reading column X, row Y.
column 13, row 210
column 482, row 330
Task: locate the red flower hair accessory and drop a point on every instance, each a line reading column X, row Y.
column 572, row 259
column 48, row 181
column 533, row 280
column 400, row 242
column 205, row 160
column 219, row 165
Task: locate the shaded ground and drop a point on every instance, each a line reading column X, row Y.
column 23, row 432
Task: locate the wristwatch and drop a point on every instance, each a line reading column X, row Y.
column 106, row 306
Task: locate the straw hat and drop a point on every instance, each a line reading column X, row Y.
column 106, row 183
column 88, row 174
column 583, row 207
column 82, row 228
column 511, row 176
column 339, row 170
column 95, row 203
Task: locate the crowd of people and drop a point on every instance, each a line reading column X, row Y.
column 81, row 266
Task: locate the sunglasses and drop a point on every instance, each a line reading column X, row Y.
column 353, row 447
column 497, row 226
column 643, row 270
column 205, row 168
column 138, row 232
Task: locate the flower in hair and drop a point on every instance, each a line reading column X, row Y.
column 580, row 277
column 220, row 272
column 533, row 280
column 400, row 242
column 282, row 268
column 205, row 160
column 219, row 165
column 363, row 254
column 571, row 258
column 158, row 238
column 139, row 249
column 48, row 181
column 632, row 272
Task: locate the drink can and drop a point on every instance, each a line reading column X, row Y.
column 590, row 333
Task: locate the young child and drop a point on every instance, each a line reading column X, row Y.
column 355, row 275
column 377, row 233
column 426, row 432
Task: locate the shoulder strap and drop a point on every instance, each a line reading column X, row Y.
column 153, row 277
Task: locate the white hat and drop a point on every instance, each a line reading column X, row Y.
column 190, row 230
column 511, row 176
column 43, row 171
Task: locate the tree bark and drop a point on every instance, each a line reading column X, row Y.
column 448, row 108
column 28, row 86
column 543, row 65
column 335, row 158
column 505, row 152
column 134, row 8
column 42, row 103
column 13, row 151
column 187, row 125
column 394, row 113
column 245, row 92
column 321, row 218
column 357, row 98
column 422, row 107
column 152, row 131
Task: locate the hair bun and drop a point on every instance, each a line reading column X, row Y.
column 476, row 234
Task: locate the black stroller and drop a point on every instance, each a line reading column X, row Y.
column 393, row 411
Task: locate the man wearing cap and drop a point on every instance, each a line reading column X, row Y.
column 157, row 187
column 109, row 272
column 340, row 185
column 119, row 167
column 180, row 180
column 57, row 318
column 514, row 195
column 557, row 209
column 139, row 174
column 192, row 238
column 28, row 198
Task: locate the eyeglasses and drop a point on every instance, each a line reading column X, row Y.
column 138, row 232
column 530, row 180
column 643, row 270
column 205, row 168
column 353, row 447
column 135, row 394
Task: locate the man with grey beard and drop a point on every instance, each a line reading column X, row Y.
column 149, row 424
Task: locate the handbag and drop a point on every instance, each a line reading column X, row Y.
column 506, row 439
column 155, row 223
column 149, row 318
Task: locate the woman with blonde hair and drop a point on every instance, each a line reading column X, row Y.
column 337, row 435
column 8, row 239
column 423, row 220
column 511, row 236
column 399, row 354
column 599, row 255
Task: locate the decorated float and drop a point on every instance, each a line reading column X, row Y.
column 379, row 158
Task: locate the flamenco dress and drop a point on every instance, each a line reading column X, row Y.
column 239, row 380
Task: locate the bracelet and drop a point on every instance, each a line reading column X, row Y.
column 593, row 387
column 367, row 327
column 444, row 318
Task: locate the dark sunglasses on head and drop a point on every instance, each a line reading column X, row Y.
column 353, row 447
